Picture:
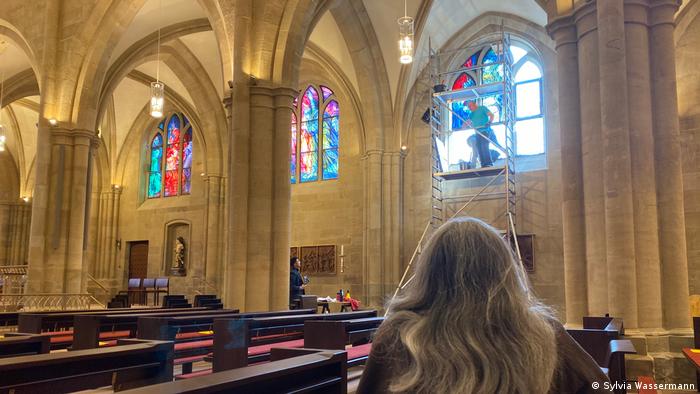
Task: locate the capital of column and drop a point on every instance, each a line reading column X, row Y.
column 563, row 30
column 663, row 12
column 63, row 136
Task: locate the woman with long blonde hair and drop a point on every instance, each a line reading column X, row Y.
column 467, row 323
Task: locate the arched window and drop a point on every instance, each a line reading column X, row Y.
column 173, row 176
column 306, row 150
column 529, row 116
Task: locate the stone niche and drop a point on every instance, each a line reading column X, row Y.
column 177, row 248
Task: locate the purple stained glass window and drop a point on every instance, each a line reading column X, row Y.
column 327, row 92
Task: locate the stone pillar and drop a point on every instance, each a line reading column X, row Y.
column 213, row 273
column 573, row 220
column 373, row 273
column 669, row 181
column 56, row 262
column 257, row 272
column 282, row 196
column 592, row 160
column 629, row 163
column 617, row 173
column 641, row 140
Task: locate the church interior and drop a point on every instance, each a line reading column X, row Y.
column 343, row 133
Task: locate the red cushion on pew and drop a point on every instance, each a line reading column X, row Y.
column 191, row 359
column 107, row 343
column 115, row 334
column 61, row 339
column 359, row 351
column 194, row 344
column 203, row 372
column 262, row 349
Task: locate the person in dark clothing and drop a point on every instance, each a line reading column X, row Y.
column 296, row 282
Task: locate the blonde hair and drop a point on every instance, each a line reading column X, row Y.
column 467, row 320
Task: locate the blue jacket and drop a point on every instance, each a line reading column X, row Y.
column 295, row 283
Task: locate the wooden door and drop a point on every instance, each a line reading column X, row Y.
column 138, row 259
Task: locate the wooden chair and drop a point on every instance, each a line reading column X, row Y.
column 134, row 291
column 162, row 287
column 149, row 287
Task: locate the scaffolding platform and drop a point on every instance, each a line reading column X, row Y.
column 470, row 93
column 471, row 173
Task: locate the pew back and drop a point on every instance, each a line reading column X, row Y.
column 317, row 372
column 132, row 364
column 20, row 345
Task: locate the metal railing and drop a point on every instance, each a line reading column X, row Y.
column 48, row 302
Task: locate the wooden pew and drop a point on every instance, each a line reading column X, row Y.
column 133, row 363
column 311, row 371
column 193, row 335
column 88, row 328
column 20, row 345
column 37, row 322
column 328, row 334
column 8, row 319
column 59, row 326
column 606, row 349
column 238, row 342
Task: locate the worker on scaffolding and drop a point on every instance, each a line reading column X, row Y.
column 481, row 118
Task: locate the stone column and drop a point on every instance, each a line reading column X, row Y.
column 592, row 160
column 617, row 173
column 635, row 253
column 282, row 196
column 646, row 240
column 373, row 277
column 213, row 256
column 56, row 261
column 564, row 33
column 669, row 181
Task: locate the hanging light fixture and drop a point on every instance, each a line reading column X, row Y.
column 157, row 87
column 405, row 37
column 2, row 128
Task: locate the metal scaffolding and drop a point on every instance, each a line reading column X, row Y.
column 441, row 119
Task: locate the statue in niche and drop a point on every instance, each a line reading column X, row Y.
column 178, row 266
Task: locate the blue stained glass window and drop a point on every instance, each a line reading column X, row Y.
column 460, row 108
column 155, row 167
column 308, row 166
column 293, row 151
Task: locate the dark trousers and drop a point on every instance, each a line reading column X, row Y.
column 482, row 146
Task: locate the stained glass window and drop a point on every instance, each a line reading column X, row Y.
column 172, row 176
column 155, row 168
column 330, row 141
column 293, row 151
column 315, row 138
column 529, row 117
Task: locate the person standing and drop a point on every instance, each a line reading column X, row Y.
column 296, row 282
column 481, row 119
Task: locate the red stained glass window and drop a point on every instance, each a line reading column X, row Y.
column 173, row 175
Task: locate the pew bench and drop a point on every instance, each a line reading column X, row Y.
column 21, row 345
column 132, row 363
column 607, row 350
column 193, row 335
column 64, row 339
column 239, row 342
column 290, row 371
column 357, row 334
column 89, row 328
